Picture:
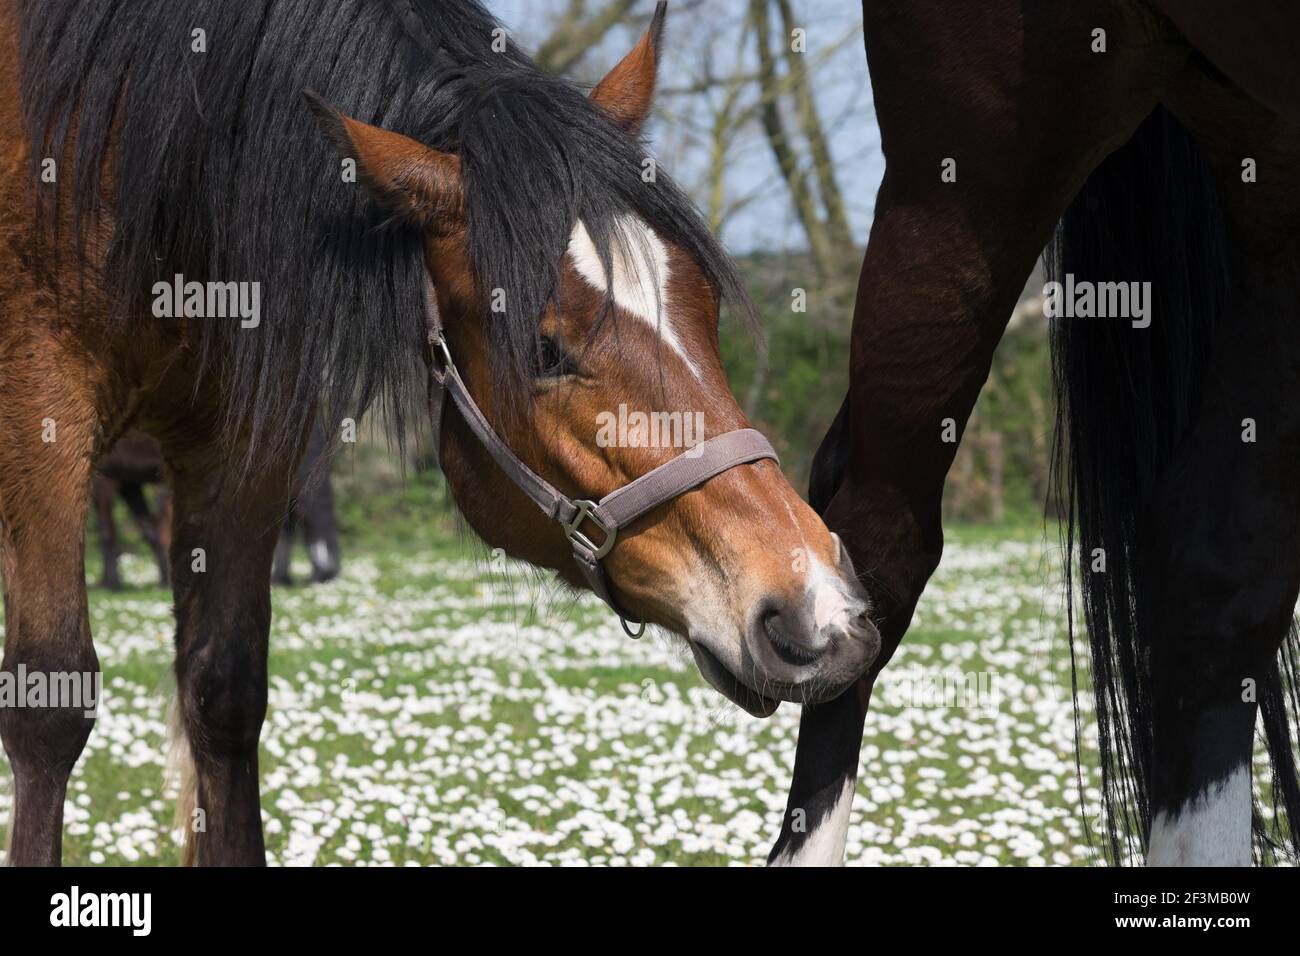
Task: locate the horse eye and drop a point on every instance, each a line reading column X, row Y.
column 551, row 361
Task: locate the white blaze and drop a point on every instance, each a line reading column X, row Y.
column 829, row 601
column 640, row 267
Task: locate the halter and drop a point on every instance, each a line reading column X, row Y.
column 617, row 509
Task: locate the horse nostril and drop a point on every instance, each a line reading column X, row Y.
column 786, row 631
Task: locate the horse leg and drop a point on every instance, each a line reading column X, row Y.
column 1226, row 517
column 315, row 506
column 164, row 536
column 1227, row 573
column 104, row 493
column 945, row 263
column 48, row 424
column 223, row 541
column 148, row 525
column 321, row 530
column 281, row 568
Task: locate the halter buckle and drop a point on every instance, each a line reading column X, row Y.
column 587, row 511
column 439, row 350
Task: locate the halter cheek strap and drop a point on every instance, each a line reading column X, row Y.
column 582, row 518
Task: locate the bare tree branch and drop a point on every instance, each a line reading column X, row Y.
column 837, row 221
column 787, row 160
column 574, row 34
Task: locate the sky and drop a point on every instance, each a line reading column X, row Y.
column 708, row 32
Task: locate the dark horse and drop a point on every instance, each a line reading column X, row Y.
column 470, row 194
column 1165, row 136
column 311, row 510
column 135, row 462
column 130, row 465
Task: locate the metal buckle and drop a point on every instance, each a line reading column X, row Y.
column 438, row 345
column 587, row 510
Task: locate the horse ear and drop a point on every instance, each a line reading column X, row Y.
column 407, row 178
column 628, row 92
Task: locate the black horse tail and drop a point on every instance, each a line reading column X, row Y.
column 1125, row 398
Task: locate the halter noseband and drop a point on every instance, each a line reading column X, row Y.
column 617, row 509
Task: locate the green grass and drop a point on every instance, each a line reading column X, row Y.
column 435, row 706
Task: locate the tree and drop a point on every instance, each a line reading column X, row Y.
column 578, row 30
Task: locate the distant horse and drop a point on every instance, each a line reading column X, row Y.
column 136, row 461
column 133, row 463
column 311, row 509
column 1168, row 136
column 184, row 254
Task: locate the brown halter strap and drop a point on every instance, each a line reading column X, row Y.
column 610, row 514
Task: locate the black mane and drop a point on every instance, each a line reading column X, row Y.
column 219, row 173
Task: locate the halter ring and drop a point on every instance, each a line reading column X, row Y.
column 587, row 511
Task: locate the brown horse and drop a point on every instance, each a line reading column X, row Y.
column 134, row 462
column 1177, row 127
column 185, row 255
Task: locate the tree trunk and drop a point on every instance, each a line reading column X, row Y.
column 810, row 122
column 787, row 160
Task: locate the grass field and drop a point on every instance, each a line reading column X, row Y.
column 437, row 706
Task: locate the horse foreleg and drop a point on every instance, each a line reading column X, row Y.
column 321, row 530
column 163, row 549
column 104, row 493
column 947, row 259
column 223, row 542
column 149, row 526
column 47, row 428
column 282, row 566
column 816, row 824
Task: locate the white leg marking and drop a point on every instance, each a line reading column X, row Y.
column 1211, row 829
column 824, row 845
